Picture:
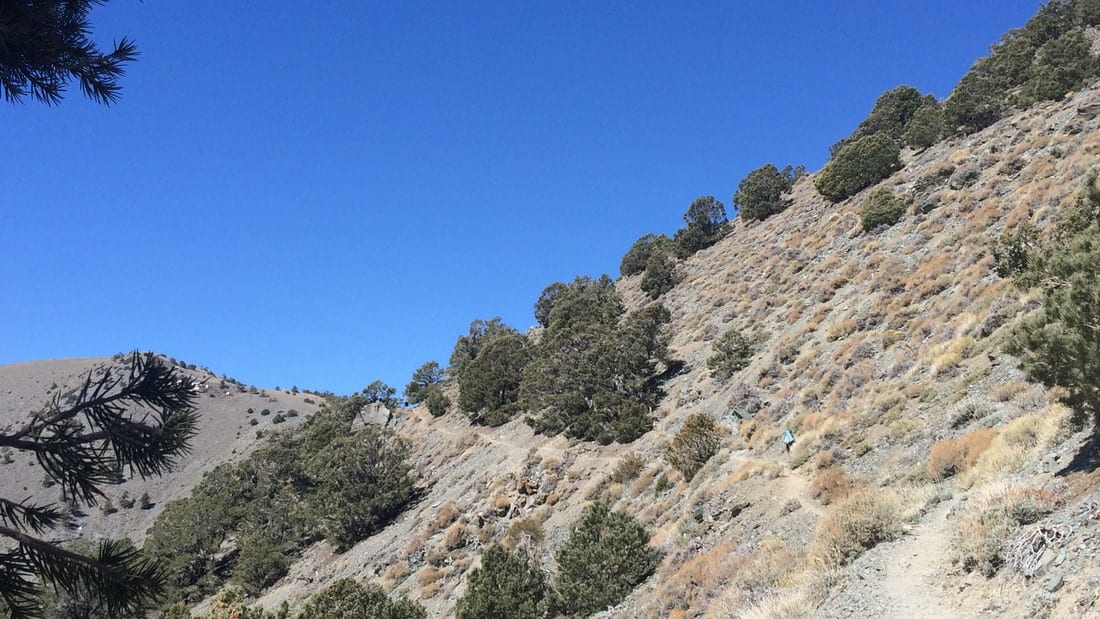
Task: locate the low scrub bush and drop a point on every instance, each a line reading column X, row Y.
column 695, row 443
column 926, row 127
column 830, row 484
column 660, row 275
column 732, row 352
column 637, row 257
column 855, row 524
column 629, row 468
column 347, row 599
column 991, row 521
column 881, row 208
column 437, row 401
column 705, row 223
column 760, row 194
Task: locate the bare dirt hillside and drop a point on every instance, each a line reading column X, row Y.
column 882, row 351
column 225, row 434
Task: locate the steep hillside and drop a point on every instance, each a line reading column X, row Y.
column 928, row 477
column 877, row 349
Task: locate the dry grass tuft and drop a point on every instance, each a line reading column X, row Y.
column 455, row 537
column 753, row 468
column 447, row 514
column 857, row 523
column 991, row 520
column 528, row 528
column 1021, row 441
column 726, row 577
column 955, row 455
column 831, row 484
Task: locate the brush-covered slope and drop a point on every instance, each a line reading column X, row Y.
column 923, row 455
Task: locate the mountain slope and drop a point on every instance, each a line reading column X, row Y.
column 880, row 350
column 872, row 347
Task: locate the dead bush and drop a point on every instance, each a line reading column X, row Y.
column 529, row 528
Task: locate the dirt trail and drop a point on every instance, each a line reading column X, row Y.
column 909, row 587
column 795, row 485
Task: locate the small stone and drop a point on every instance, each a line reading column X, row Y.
column 1060, row 558
column 1054, row 583
column 1094, row 580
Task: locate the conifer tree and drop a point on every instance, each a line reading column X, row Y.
column 44, row 44
column 138, row 421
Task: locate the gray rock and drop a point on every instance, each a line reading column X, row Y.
column 1094, row 580
column 1054, row 583
column 964, row 177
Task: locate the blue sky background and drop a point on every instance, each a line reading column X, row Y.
column 321, row 194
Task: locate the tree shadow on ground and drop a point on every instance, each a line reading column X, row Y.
column 1087, row 458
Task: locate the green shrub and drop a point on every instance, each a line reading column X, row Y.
column 604, row 558
column 893, row 111
column 760, row 194
column 975, row 103
column 506, row 586
column 635, row 259
column 882, row 208
column 858, row 165
column 1060, row 65
column 1040, row 61
column 467, row 346
column 319, row 479
column 732, row 352
column 347, row 599
column 926, row 127
column 660, row 275
column 262, row 561
column 695, row 443
column 583, row 301
column 362, row 480
column 705, row 223
column 437, row 401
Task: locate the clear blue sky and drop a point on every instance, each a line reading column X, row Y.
column 321, row 194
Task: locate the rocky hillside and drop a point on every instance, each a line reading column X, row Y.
column 882, row 352
column 929, row 478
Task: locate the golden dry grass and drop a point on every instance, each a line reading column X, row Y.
column 991, row 519
column 830, row 484
column 858, row 522
column 951, row 456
